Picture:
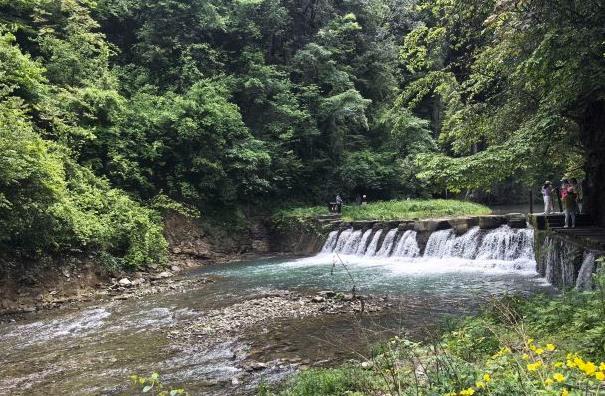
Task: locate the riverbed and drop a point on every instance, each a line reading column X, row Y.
column 259, row 321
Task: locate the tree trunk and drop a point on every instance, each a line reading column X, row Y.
column 592, row 135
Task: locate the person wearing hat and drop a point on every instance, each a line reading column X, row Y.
column 547, row 195
column 570, row 203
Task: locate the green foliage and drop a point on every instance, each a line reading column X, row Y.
column 387, row 210
column 152, row 385
column 516, row 83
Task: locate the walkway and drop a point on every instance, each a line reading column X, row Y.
column 585, row 233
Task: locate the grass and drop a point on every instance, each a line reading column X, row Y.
column 393, row 210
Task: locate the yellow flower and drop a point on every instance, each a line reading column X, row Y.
column 539, row 351
column 558, row 364
column 600, row 376
column 589, row 368
column 559, row 377
column 532, row 347
column 564, row 392
column 548, row 382
column 525, row 356
column 570, row 363
column 487, row 377
column 550, row 347
column 534, row 366
column 531, row 340
column 480, row 384
column 602, row 366
column 467, row 392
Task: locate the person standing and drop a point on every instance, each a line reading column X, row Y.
column 570, row 205
column 338, row 203
column 547, row 195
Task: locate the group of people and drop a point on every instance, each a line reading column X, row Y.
column 570, row 196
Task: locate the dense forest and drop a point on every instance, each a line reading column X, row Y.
column 112, row 110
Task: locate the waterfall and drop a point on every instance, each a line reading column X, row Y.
column 371, row 251
column 387, row 244
column 439, row 243
column 407, row 245
column 503, row 247
column 330, row 242
column 507, row 244
column 361, row 248
column 343, row 238
column 350, row 247
column 584, row 281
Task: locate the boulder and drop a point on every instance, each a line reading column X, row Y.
column 162, row 275
column 125, row 282
column 318, row 299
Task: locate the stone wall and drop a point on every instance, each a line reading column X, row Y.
column 566, row 262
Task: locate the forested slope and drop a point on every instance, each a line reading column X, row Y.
column 109, row 108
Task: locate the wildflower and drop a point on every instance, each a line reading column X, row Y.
column 559, row 377
column 534, row 366
column 550, row 347
column 602, row 366
column 558, row 364
column 467, row 392
column 487, row 377
column 589, row 368
column 539, row 351
column 525, row 356
column 570, row 363
column 565, row 392
column 600, row 376
column 548, row 382
column 480, row 384
column 530, row 341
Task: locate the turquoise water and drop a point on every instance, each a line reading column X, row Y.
column 92, row 349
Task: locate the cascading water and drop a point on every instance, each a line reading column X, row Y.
column 343, row 238
column 439, row 243
column 350, row 247
column 363, row 244
column 584, row 281
column 387, row 244
column 507, row 244
column 504, row 247
column 371, row 250
column 407, row 245
column 330, row 242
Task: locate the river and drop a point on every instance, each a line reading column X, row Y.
column 93, row 348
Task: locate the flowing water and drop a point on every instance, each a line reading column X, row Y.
column 93, row 349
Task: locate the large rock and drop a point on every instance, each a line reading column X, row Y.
column 125, row 282
column 491, row 222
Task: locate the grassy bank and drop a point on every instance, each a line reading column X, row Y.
column 544, row 346
column 391, row 210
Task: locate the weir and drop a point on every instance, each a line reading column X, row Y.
column 501, row 244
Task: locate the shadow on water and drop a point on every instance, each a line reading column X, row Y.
column 93, row 349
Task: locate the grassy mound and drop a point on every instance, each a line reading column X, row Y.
column 391, row 210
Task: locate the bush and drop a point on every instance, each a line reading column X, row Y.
column 49, row 203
